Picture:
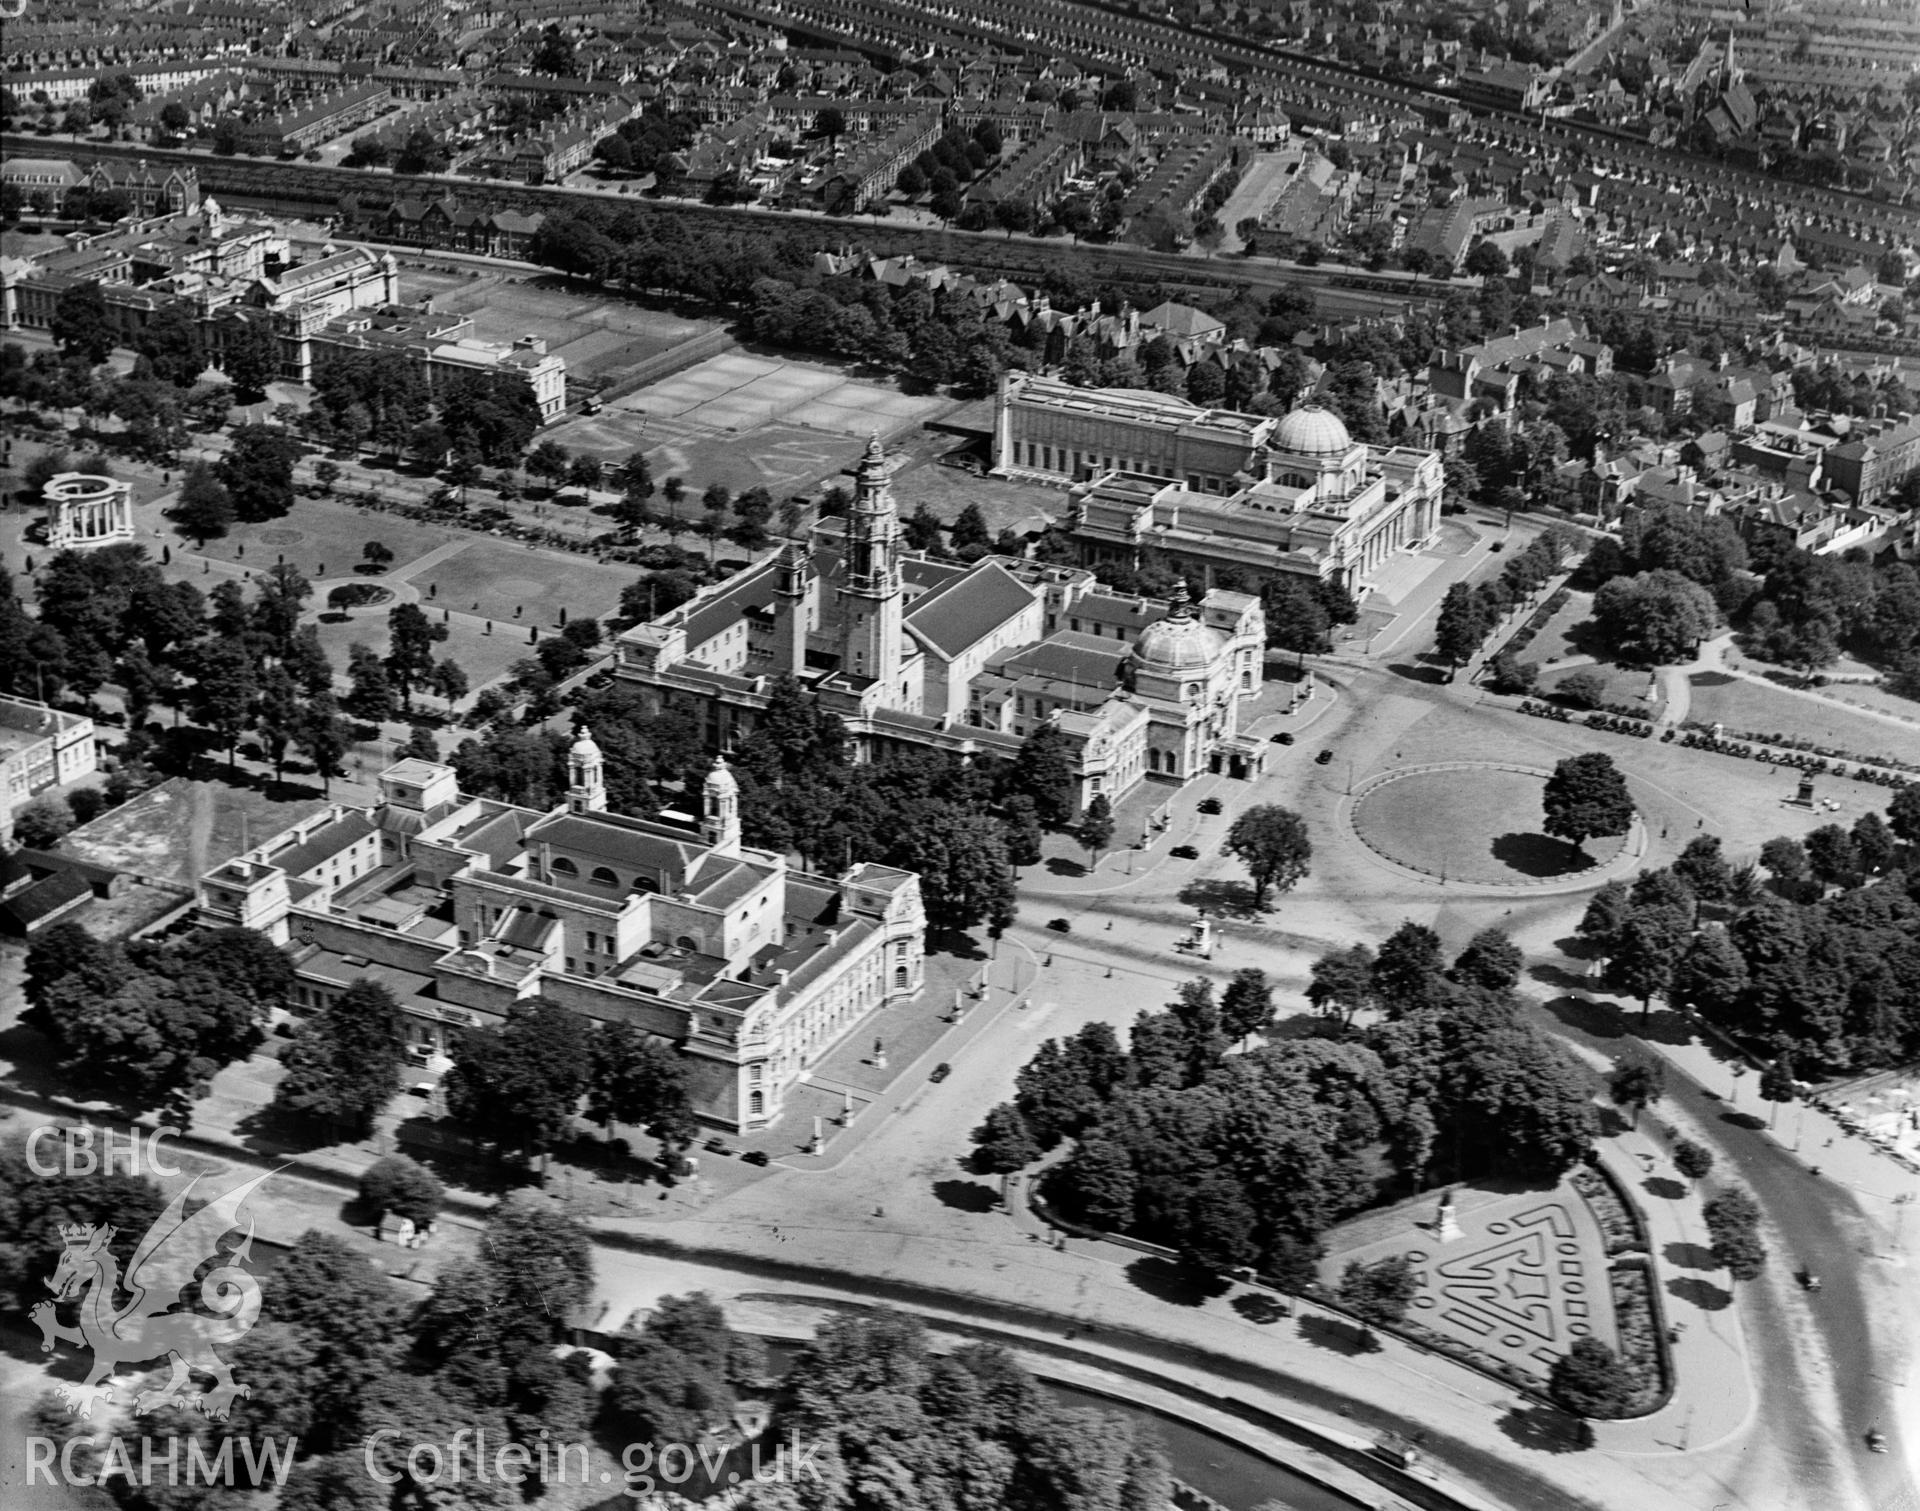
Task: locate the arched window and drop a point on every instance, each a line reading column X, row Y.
column 605, row 877
column 900, row 978
column 564, row 867
column 643, row 886
column 756, row 1104
column 687, row 942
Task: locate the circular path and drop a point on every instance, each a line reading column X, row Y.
column 1477, row 823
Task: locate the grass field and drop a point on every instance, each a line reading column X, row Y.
column 1474, row 825
column 323, row 538
column 1760, row 709
column 482, row 656
column 1624, row 686
column 501, row 578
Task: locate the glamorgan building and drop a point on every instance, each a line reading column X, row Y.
column 1214, row 491
column 967, row 659
column 462, row 907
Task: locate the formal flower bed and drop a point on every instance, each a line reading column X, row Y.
column 1620, row 1226
column 1640, row 1346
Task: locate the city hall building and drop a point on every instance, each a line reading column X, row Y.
column 970, row 660
column 462, row 907
column 1211, row 489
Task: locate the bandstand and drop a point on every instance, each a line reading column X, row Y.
column 85, row 509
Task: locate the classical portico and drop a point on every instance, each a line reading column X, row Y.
column 85, row 509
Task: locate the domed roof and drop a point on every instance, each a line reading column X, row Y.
column 1312, row 431
column 721, row 779
column 584, row 745
column 1179, row 643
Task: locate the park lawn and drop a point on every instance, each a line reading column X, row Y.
column 510, row 583
column 1555, row 642
column 1861, row 695
column 1625, row 685
column 1755, row 708
column 482, row 656
column 324, row 537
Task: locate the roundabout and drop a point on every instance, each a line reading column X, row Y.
column 1478, row 822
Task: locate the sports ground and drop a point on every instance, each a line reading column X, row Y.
column 807, row 422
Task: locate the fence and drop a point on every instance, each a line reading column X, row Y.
column 669, row 362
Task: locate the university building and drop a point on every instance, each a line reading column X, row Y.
column 965, row 659
column 1213, row 490
column 462, row 907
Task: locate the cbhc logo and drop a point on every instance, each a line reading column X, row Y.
column 138, row 1152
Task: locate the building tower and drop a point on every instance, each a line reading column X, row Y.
column 793, row 608
column 586, row 776
column 720, row 809
column 872, row 596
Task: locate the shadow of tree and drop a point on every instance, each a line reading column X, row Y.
column 1540, row 855
column 1664, row 1187
column 1545, row 1429
column 1690, row 1256
column 1059, row 865
column 1702, row 1293
column 1436, row 675
column 459, row 1164
column 1744, row 1120
column 1221, row 897
column 1175, row 1283
column 1260, row 1306
column 1595, row 1019
column 1336, row 1335
column 1612, row 1122
column 966, row 1195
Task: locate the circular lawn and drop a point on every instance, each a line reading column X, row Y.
column 1480, row 823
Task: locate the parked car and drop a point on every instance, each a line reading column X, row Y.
column 1184, row 852
column 941, row 1071
column 1324, row 757
column 1060, row 925
column 1209, row 805
column 1283, row 738
column 718, row 1145
column 754, row 1157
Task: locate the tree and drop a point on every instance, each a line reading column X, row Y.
column 1486, row 260
column 1246, row 1006
column 1646, row 950
column 449, row 681
column 965, row 876
column 1491, row 961
column 411, row 637
column 1043, row 772
column 1379, row 1293
column 969, row 532
column 1873, row 843
column 1654, row 618
column 1463, row 625
column 250, row 357
column 1704, row 869
column 403, row 1187
column 1831, row 856
column 548, row 460
column 258, row 471
column 421, row 744
column 171, row 343
column 640, row 1079
column 1776, row 1081
column 520, row 1084
column 1509, row 674
column 1003, row 1143
column 1271, row 842
column 1692, row 1160
column 1583, row 689
column 221, row 699
column 1637, row 1083
column 43, row 822
column 80, row 325
column 1586, row 798
column 1095, row 830
column 830, row 122
column 1785, row 859
column 277, row 715
column 323, row 737
column 343, row 1064
column 1590, row 1381
column 1903, row 814
column 1733, row 1223
column 1341, row 984
column 1096, row 1184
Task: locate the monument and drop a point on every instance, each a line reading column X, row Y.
column 1446, row 1226
column 85, row 509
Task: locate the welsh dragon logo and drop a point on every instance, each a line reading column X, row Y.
column 148, row 1326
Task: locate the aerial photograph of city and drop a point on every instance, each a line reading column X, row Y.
column 880, row 755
